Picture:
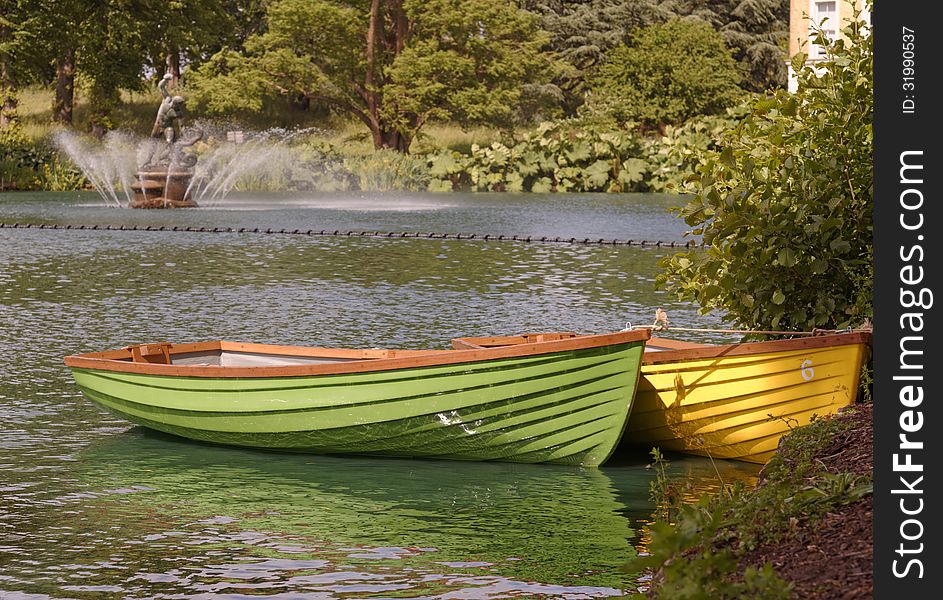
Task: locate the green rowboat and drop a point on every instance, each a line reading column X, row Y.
column 548, row 399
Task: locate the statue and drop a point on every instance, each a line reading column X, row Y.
column 164, row 178
column 167, row 125
column 169, row 114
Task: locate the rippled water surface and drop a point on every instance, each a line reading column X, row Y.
column 91, row 507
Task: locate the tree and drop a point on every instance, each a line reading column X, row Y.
column 183, row 30
column 114, row 42
column 19, row 61
column 583, row 31
column 670, row 73
column 62, row 26
column 102, row 42
column 110, row 44
column 756, row 31
column 393, row 64
column 785, row 203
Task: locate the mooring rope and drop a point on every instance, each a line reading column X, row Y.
column 759, row 331
column 371, row 234
column 661, row 324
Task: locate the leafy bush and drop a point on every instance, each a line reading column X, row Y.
column 579, row 156
column 785, row 203
column 27, row 165
column 670, row 73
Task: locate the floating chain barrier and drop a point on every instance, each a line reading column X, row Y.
column 371, row 234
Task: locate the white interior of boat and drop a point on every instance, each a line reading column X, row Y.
column 228, row 358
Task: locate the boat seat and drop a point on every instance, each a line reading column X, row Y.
column 158, row 353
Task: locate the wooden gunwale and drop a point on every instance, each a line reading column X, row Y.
column 677, row 350
column 363, row 360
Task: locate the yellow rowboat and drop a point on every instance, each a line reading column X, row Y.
column 736, row 401
column 733, row 401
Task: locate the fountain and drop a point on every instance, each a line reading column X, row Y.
column 121, row 168
column 162, row 170
column 163, row 181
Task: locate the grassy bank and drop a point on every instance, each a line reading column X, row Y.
column 137, row 110
column 331, row 153
column 803, row 532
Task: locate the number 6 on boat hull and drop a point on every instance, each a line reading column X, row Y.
column 740, row 399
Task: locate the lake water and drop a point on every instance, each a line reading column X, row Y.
column 92, row 507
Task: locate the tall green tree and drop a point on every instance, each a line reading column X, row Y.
column 184, row 31
column 756, row 30
column 63, row 27
column 20, row 63
column 582, row 32
column 786, row 202
column 668, row 73
column 101, row 43
column 393, row 64
column 114, row 44
column 109, row 45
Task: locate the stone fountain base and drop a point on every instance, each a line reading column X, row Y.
column 162, row 189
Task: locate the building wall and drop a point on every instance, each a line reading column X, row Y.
column 801, row 15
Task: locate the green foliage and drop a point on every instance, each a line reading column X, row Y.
column 386, row 170
column 60, row 175
column 29, row 165
column 21, row 31
column 580, row 156
column 467, row 60
column 672, row 157
column 561, row 156
column 18, row 159
column 582, row 32
column 189, row 28
column 313, row 164
column 833, row 489
column 709, row 574
column 795, row 461
column 669, row 73
column 786, row 203
column 13, row 175
column 755, row 30
column 20, row 62
column 464, row 60
column 666, row 492
column 556, row 157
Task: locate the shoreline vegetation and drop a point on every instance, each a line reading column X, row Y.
column 804, row 531
column 565, row 155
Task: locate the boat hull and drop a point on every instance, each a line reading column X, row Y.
column 566, row 407
column 739, row 405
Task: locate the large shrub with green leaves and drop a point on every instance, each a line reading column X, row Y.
column 785, row 203
column 573, row 155
column 27, row 164
column 560, row 156
column 668, row 74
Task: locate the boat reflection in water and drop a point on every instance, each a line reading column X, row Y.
column 231, row 521
column 227, row 520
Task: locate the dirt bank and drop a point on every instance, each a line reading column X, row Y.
column 832, row 556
